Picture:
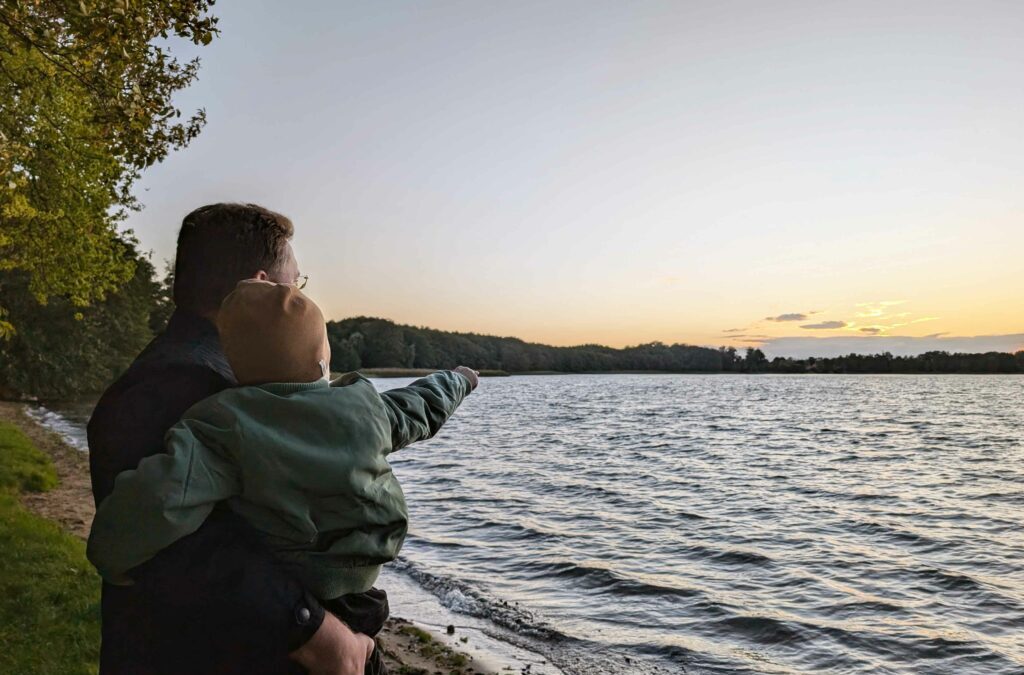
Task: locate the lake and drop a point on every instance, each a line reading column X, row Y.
column 728, row 523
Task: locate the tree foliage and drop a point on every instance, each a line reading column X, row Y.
column 85, row 104
column 63, row 351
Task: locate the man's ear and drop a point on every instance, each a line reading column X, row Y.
column 261, row 276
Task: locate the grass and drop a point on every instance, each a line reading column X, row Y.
column 22, row 466
column 443, row 656
column 49, row 594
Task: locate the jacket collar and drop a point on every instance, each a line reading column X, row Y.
column 284, row 388
column 189, row 339
column 188, row 325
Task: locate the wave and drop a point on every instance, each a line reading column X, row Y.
column 70, row 431
column 609, row 581
column 462, row 597
column 765, row 630
column 726, row 557
column 575, row 656
column 896, row 534
column 950, row 581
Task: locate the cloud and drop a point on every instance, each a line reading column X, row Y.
column 794, row 316
column 877, row 310
column 734, row 330
column 825, row 325
column 805, row 346
column 871, row 330
column 881, row 303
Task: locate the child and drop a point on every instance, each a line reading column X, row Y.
column 302, row 459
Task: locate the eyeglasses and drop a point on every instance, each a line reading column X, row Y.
column 301, row 281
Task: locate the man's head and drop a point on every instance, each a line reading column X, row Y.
column 221, row 244
column 273, row 333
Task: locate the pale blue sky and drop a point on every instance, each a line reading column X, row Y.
column 624, row 172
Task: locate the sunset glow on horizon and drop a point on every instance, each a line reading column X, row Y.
column 801, row 177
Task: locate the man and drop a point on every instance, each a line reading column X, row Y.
column 215, row 601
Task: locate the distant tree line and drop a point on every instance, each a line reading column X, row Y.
column 929, row 362
column 366, row 342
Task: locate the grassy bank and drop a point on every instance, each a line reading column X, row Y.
column 49, row 594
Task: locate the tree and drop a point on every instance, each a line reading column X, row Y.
column 62, row 351
column 85, row 104
column 344, row 353
column 163, row 301
column 383, row 345
column 754, row 360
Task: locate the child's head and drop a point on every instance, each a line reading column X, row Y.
column 272, row 333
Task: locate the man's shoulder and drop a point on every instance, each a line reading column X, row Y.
column 177, row 384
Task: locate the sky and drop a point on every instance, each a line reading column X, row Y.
column 807, row 177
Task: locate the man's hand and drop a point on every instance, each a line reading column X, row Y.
column 334, row 650
column 470, row 374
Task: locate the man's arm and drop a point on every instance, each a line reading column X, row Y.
column 418, row 411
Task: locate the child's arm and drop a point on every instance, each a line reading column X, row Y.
column 417, row 412
column 165, row 499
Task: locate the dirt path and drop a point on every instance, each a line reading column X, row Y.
column 70, row 503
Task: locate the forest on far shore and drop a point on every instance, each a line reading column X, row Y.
column 366, row 342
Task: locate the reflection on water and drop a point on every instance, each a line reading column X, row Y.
column 766, row 524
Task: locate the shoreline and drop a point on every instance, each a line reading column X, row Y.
column 394, row 373
column 408, row 647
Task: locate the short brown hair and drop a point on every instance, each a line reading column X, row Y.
column 221, row 244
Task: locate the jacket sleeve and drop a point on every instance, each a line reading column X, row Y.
column 165, row 499
column 418, row 411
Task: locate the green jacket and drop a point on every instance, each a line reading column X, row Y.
column 305, row 464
